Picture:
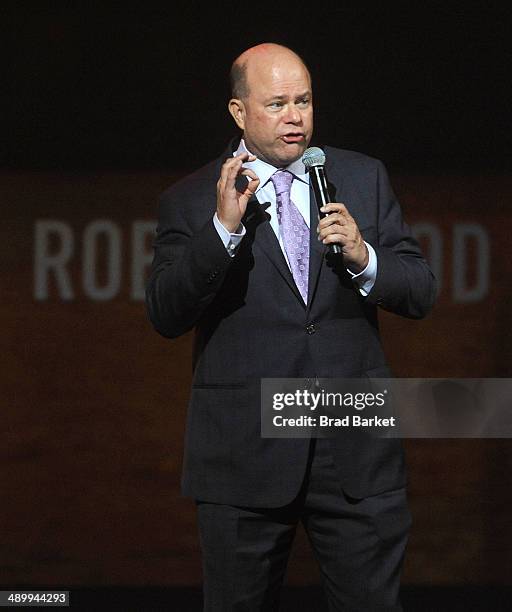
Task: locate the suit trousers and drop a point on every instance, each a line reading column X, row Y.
column 359, row 544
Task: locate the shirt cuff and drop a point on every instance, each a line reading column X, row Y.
column 230, row 240
column 366, row 278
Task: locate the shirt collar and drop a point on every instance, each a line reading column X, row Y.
column 265, row 170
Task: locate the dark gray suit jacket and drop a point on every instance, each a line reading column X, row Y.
column 251, row 323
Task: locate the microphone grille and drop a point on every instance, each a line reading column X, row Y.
column 314, row 156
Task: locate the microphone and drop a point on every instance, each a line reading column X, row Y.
column 314, row 160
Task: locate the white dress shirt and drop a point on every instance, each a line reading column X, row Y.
column 300, row 197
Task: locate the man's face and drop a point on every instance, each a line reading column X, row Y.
column 277, row 115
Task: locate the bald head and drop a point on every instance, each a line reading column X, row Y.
column 258, row 57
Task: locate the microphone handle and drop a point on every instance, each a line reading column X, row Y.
column 319, row 180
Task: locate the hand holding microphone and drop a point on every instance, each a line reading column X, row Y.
column 336, row 227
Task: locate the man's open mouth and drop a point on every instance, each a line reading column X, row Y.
column 293, row 137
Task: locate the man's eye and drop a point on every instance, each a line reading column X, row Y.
column 276, row 104
column 304, row 101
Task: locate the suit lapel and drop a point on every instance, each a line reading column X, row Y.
column 317, row 250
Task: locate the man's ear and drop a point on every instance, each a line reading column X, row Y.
column 237, row 109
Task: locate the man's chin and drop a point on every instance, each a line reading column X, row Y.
column 281, row 154
column 291, row 153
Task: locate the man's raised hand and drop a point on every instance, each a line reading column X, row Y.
column 232, row 204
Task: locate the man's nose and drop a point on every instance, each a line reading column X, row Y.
column 293, row 114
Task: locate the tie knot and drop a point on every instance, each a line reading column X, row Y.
column 282, row 180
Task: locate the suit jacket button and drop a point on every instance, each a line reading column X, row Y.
column 310, row 329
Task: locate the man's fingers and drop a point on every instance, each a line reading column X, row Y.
column 228, row 174
column 341, row 239
column 233, row 164
column 332, row 219
column 335, row 231
column 250, row 173
column 336, row 207
column 347, row 233
column 232, row 167
column 245, row 157
column 336, row 238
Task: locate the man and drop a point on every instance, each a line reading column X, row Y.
column 267, row 304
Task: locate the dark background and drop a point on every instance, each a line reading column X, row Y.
column 92, row 86
column 103, row 106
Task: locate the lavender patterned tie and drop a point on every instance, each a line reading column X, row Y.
column 294, row 231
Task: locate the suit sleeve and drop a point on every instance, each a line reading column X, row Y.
column 404, row 283
column 189, row 266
